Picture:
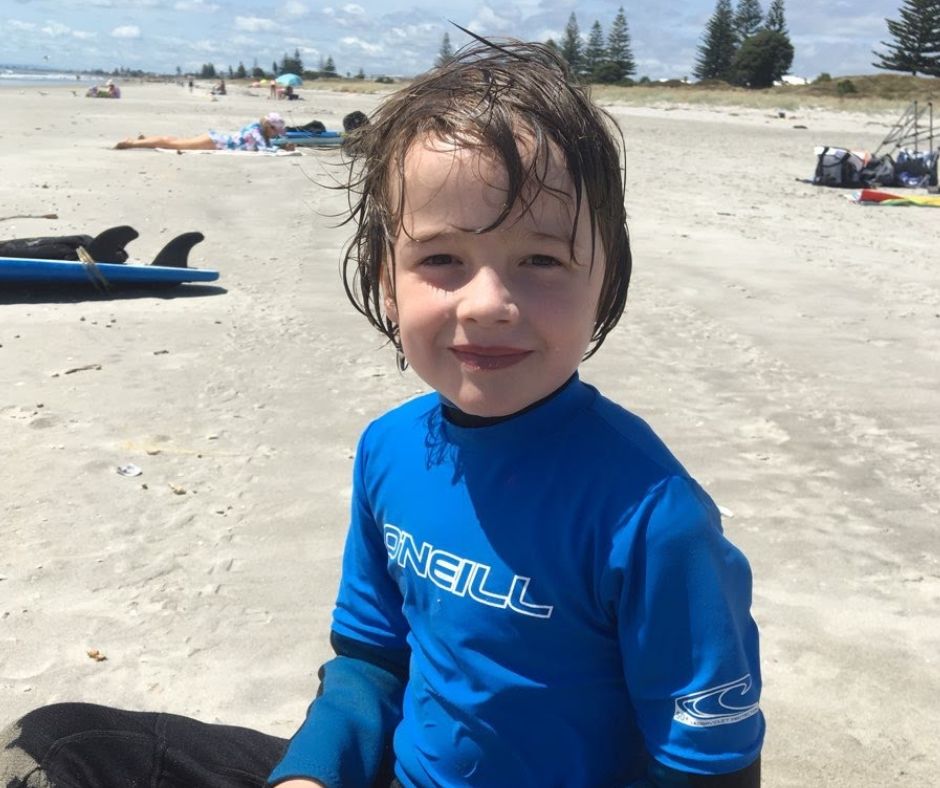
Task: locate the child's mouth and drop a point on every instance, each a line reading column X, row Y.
column 486, row 358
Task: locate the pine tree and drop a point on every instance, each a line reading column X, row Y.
column 446, row 52
column 595, row 53
column 762, row 59
column 775, row 18
column 241, row 72
column 571, row 47
column 717, row 50
column 329, row 68
column 916, row 44
column 748, row 19
column 619, row 50
column 292, row 65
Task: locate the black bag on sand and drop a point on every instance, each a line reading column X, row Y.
column 841, row 168
column 314, row 127
column 838, row 167
column 878, row 172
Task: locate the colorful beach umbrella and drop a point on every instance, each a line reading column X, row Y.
column 289, row 79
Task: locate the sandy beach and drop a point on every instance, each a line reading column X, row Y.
column 783, row 341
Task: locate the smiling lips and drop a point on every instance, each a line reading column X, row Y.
column 477, row 357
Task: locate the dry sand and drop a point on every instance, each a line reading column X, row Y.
column 785, row 343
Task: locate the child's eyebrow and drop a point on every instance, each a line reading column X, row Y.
column 415, row 239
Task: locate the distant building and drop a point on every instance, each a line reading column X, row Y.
column 790, row 79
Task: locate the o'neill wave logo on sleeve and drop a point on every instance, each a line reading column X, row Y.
column 716, row 706
column 460, row 576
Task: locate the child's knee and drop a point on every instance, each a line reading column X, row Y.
column 48, row 745
column 41, row 729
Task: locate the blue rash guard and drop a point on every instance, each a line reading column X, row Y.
column 569, row 601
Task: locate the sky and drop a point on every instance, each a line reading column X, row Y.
column 398, row 37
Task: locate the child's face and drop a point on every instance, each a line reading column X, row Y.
column 493, row 321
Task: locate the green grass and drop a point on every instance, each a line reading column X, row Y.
column 873, row 93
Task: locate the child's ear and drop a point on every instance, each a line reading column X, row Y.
column 388, row 296
column 391, row 308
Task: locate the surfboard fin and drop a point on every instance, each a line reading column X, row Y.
column 176, row 253
column 108, row 246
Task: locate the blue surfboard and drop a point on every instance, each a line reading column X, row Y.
column 24, row 271
column 310, row 138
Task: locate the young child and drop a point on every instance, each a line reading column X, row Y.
column 534, row 591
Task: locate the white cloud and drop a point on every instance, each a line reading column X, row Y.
column 364, row 46
column 488, row 21
column 254, row 24
column 126, row 31
column 206, row 46
column 294, row 8
column 196, row 5
column 16, row 24
column 56, row 29
column 354, row 10
column 120, row 3
column 82, row 35
column 244, row 41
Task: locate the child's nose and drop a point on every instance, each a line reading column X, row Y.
column 486, row 298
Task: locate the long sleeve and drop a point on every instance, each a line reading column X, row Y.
column 346, row 737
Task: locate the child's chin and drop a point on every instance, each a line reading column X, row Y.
column 489, row 405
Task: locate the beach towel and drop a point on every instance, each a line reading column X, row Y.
column 877, row 197
column 278, row 152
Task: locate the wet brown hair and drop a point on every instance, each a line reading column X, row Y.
column 485, row 97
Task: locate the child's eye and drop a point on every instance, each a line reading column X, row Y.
column 543, row 261
column 437, row 260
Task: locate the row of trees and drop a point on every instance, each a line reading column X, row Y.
column 915, row 44
column 744, row 47
column 599, row 59
column 290, row 64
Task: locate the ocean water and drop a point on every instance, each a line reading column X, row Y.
column 25, row 76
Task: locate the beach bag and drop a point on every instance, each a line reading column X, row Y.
column 916, row 169
column 839, row 167
column 878, row 172
column 313, row 127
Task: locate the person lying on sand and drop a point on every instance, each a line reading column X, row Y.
column 255, row 136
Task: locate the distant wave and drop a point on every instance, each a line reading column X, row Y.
column 40, row 76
